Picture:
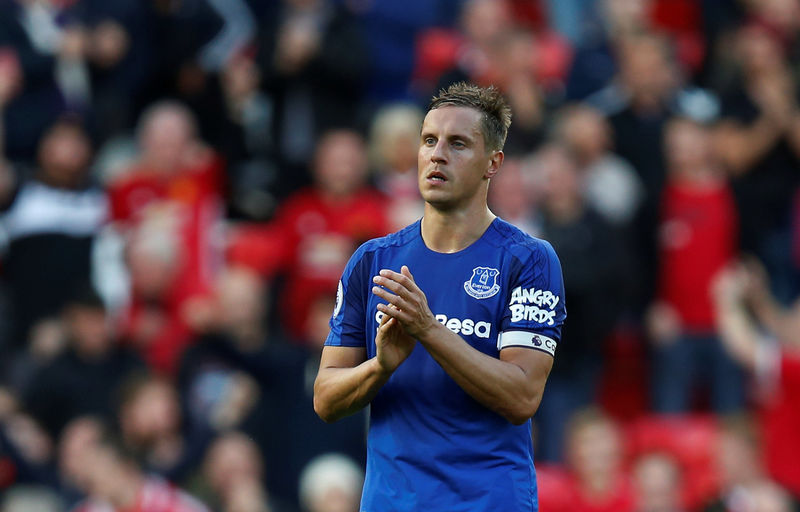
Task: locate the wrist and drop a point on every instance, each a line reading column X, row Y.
column 431, row 332
column 379, row 370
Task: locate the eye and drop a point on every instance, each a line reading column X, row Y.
column 458, row 144
column 430, row 141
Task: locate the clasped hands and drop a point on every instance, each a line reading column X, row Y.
column 406, row 317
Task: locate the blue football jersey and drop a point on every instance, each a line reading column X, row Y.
column 431, row 446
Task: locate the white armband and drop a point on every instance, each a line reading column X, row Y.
column 526, row 339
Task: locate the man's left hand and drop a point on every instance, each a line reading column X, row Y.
column 409, row 301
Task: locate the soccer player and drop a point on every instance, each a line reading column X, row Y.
column 448, row 329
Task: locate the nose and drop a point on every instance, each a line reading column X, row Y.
column 438, row 155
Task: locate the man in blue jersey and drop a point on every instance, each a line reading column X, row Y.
column 447, row 329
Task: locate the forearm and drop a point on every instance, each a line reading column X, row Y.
column 501, row 386
column 750, row 144
column 777, row 319
column 738, row 333
column 771, row 314
column 340, row 392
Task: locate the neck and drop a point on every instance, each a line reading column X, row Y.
column 452, row 231
column 125, row 496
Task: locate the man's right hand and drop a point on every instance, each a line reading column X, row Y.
column 393, row 345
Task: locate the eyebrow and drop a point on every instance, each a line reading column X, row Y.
column 454, row 136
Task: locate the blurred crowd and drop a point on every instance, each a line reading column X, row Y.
column 183, row 181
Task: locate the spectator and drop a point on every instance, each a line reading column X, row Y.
column 117, row 483
column 513, row 197
column 116, row 56
column 190, row 43
column 246, row 140
column 526, row 66
column 216, row 377
column 612, row 186
column 697, row 239
column 517, row 74
column 152, row 428
column 239, row 376
column 776, row 365
column 463, row 53
column 74, row 470
column 331, row 483
column 44, row 49
column 594, row 63
column 594, row 454
column 234, row 472
column 657, row 483
column 759, row 141
column 314, row 61
column 169, row 206
column 647, row 91
column 321, row 225
column 86, row 377
column 393, row 145
column 738, row 461
column 593, row 279
column 58, row 211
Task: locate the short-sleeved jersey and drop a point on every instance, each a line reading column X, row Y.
column 431, row 446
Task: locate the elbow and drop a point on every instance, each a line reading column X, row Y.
column 523, row 410
column 322, row 410
column 321, row 406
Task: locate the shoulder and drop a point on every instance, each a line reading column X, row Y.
column 378, row 248
column 390, row 241
column 520, row 245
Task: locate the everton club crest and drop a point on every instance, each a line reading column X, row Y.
column 483, row 283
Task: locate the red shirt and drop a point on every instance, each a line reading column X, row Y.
column 191, row 200
column 697, row 238
column 620, row 499
column 319, row 237
column 780, row 420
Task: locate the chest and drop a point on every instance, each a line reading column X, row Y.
column 467, row 293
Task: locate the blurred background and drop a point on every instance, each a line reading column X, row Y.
column 183, row 181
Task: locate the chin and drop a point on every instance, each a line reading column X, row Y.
column 440, row 203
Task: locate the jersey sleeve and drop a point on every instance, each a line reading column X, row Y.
column 535, row 309
column 348, row 320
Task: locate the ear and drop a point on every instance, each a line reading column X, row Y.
column 495, row 161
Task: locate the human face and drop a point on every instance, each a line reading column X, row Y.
column 454, row 165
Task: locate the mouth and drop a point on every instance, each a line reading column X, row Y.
column 436, row 176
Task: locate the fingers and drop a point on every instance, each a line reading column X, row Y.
column 391, row 312
column 384, row 320
column 406, row 272
column 392, row 299
column 386, row 324
column 405, row 280
column 394, row 286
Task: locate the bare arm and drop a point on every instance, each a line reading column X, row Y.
column 347, row 381
column 741, row 147
column 512, row 386
column 738, row 332
column 774, row 317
